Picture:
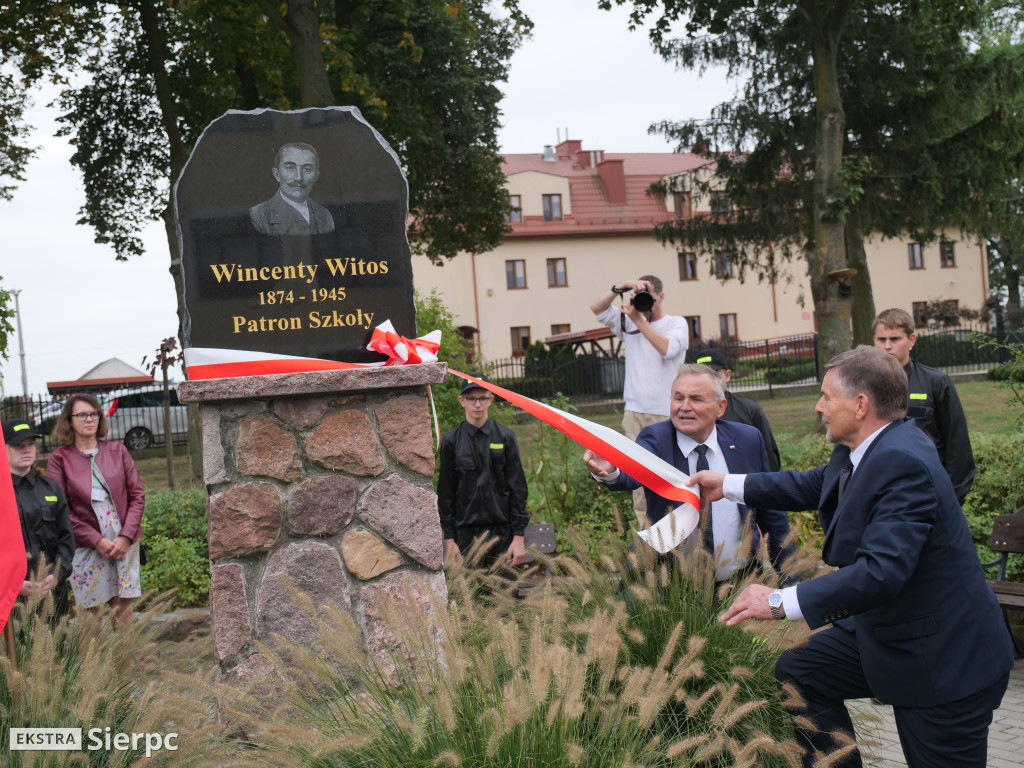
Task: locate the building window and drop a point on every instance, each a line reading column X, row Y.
column 684, row 205
column 556, row 273
column 719, row 206
column 920, row 312
column 727, row 326
column 914, row 256
column 687, row 266
column 693, row 323
column 520, row 340
column 516, row 214
column 515, row 273
column 946, row 256
column 557, row 328
column 723, row 266
column 552, row 207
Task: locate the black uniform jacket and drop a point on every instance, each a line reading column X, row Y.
column 935, row 408
column 481, row 481
column 45, row 522
column 747, row 411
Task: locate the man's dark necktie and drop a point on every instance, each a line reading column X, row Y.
column 844, row 477
column 707, row 538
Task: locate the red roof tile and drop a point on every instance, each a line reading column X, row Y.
column 592, row 213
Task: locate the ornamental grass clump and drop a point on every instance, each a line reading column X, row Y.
column 620, row 664
column 96, row 671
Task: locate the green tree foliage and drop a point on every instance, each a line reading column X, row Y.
column 152, row 75
column 853, row 119
column 6, row 329
column 432, row 314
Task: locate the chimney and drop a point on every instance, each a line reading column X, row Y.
column 569, row 147
column 589, row 158
column 613, row 175
column 549, row 153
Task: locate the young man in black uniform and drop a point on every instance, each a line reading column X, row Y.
column 934, row 404
column 45, row 522
column 481, row 490
column 741, row 409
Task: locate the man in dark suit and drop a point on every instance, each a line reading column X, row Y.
column 697, row 401
column 290, row 211
column 913, row 622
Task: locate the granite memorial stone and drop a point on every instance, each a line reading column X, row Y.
column 293, row 235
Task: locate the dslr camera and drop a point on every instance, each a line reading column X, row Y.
column 643, row 300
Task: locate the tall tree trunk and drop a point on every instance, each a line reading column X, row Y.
column 863, row 311
column 178, row 156
column 829, row 247
column 302, row 25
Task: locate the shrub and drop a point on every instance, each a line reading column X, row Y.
column 91, row 673
column 800, row 454
column 177, row 557
column 456, row 350
column 562, row 491
column 997, row 490
column 583, row 677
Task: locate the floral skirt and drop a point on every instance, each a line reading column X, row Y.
column 96, row 579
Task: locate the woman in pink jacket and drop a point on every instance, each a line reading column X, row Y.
column 106, row 501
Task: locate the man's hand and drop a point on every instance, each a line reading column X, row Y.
column 37, row 589
column 597, row 465
column 119, row 548
column 452, row 553
column 516, row 550
column 710, row 484
column 751, row 603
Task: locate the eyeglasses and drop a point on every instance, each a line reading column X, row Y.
column 477, row 400
column 90, row 416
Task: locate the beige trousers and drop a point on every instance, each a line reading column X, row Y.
column 632, row 423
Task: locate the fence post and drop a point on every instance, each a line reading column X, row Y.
column 817, row 360
column 768, row 359
column 1004, row 353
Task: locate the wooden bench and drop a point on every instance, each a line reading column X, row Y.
column 1007, row 538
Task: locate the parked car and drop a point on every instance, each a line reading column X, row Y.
column 137, row 418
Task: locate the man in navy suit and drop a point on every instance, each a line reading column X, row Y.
column 697, row 401
column 913, row 622
column 290, row 211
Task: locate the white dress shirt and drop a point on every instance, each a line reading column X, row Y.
column 725, row 513
column 732, row 487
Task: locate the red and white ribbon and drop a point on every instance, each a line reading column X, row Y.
column 640, row 464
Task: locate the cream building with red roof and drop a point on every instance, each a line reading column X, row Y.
column 584, row 222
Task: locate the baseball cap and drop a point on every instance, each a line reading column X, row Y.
column 712, row 358
column 468, row 385
column 17, row 431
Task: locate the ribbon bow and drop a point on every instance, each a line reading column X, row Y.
column 403, row 351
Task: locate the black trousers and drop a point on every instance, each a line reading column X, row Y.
column 466, row 535
column 827, row 670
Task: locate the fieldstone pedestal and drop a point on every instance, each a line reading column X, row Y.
column 318, row 486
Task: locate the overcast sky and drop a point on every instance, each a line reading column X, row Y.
column 583, row 72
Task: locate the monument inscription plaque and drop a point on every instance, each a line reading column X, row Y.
column 293, row 235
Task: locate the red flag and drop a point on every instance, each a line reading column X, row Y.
column 13, row 563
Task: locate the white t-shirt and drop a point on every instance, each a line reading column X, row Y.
column 649, row 376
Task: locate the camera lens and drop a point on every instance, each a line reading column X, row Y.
column 643, row 301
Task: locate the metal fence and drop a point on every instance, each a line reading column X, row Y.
column 767, row 364
column 134, row 416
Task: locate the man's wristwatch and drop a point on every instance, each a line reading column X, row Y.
column 775, row 603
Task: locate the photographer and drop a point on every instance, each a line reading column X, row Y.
column 655, row 346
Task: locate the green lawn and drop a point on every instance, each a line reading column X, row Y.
column 985, row 402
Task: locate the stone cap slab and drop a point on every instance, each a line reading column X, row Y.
column 312, row 382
